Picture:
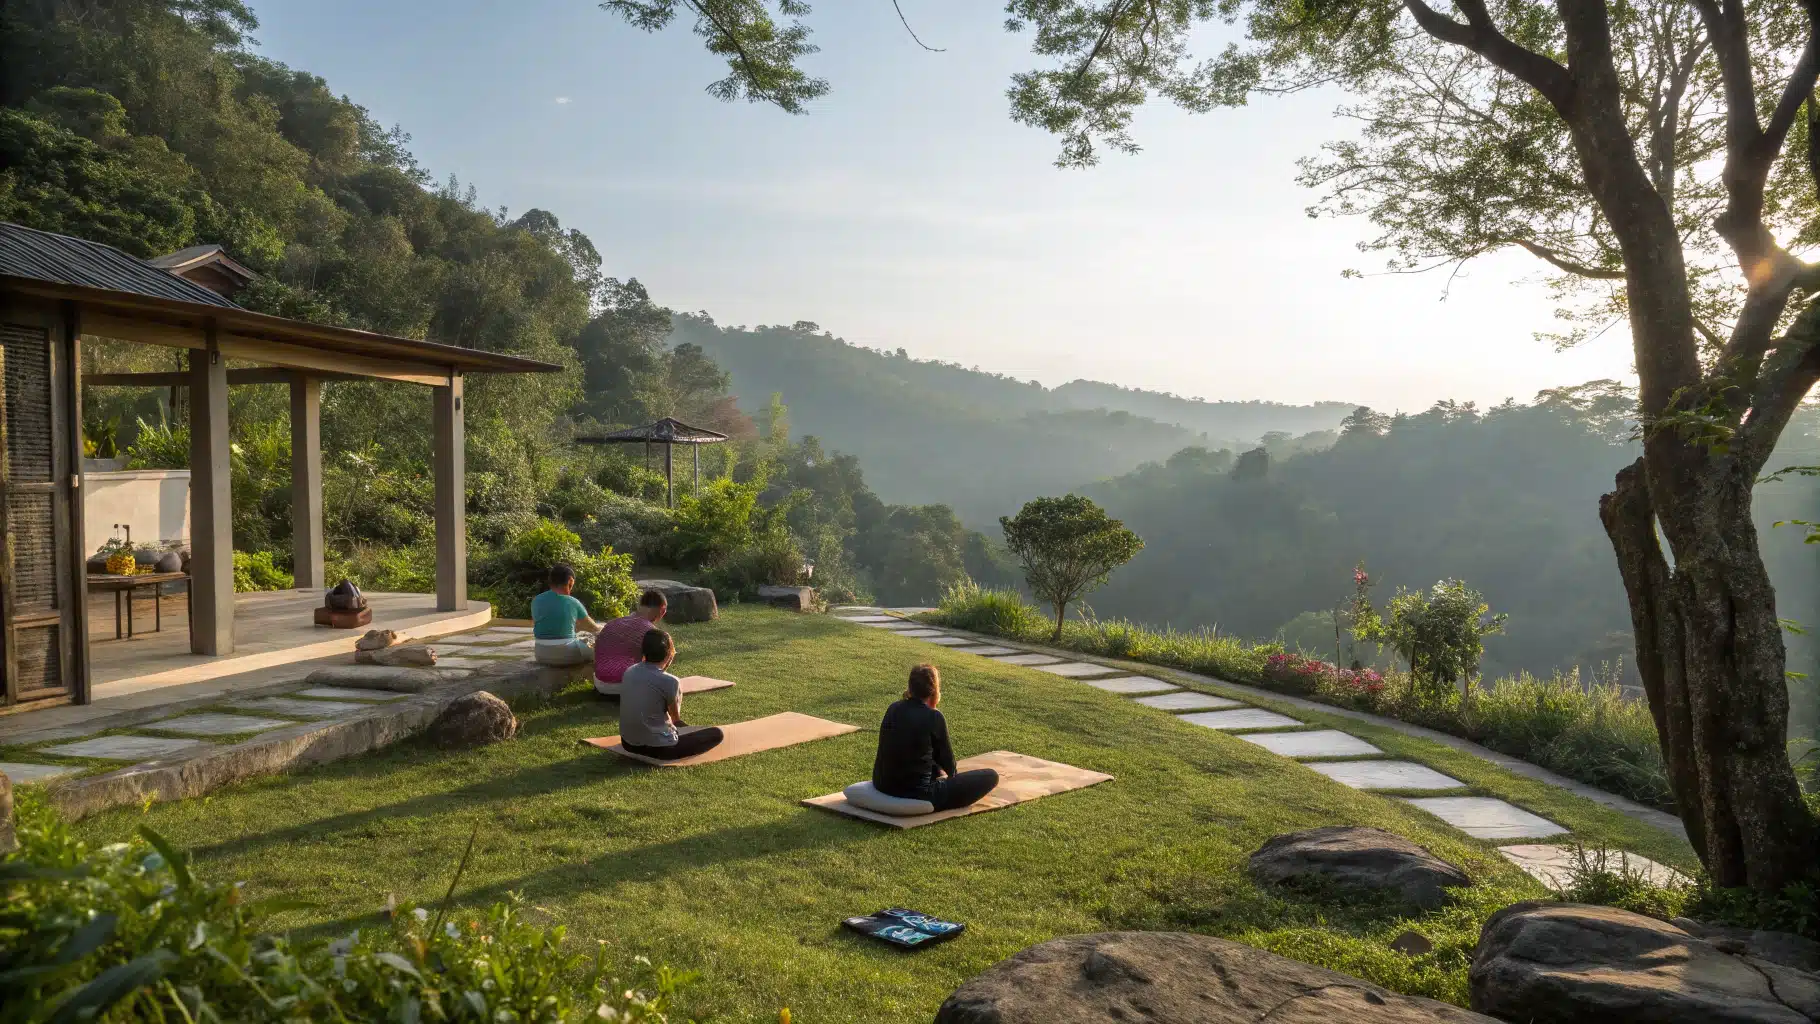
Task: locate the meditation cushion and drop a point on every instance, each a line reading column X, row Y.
column 864, row 794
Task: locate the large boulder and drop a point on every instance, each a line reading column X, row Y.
column 473, row 720
column 403, row 656
column 385, row 677
column 1176, row 978
column 1776, row 947
column 686, row 603
column 1553, row 963
column 796, row 599
column 1369, row 858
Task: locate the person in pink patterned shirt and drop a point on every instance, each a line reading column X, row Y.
column 619, row 645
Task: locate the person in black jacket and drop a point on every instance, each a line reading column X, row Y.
column 914, row 759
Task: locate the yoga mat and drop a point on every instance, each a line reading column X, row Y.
column 1020, row 778
column 768, row 733
column 690, row 684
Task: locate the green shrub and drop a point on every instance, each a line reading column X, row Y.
column 255, row 571
column 708, row 529
column 159, row 446
column 1439, row 634
column 517, row 571
column 771, row 560
column 394, row 570
column 625, row 524
column 128, row 933
column 1795, row 909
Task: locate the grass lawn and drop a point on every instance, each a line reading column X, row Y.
column 718, row 869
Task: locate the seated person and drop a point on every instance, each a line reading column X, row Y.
column 650, row 707
column 914, row 759
column 555, row 614
column 620, row 643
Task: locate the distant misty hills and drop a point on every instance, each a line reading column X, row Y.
column 930, row 432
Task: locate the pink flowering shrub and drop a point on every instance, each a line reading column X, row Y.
column 1295, row 671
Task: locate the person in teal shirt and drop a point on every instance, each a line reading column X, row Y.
column 555, row 617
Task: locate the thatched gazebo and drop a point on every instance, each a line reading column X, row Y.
column 668, row 432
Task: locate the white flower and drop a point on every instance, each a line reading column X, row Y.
column 421, row 915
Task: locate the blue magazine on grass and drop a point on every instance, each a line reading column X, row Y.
column 905, row 928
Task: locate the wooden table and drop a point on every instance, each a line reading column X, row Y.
column 104, row 583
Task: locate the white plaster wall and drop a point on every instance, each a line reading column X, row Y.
column 156, row 502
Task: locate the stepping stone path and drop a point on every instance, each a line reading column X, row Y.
column 1325, row 743
column 123, row 748
column 1554, row 866
column 1480, row 817
column 1027, row 660
column 1240, row 718
column 1484, row 817
column 1386, row 775
column 349, row 693
column 23, row 774
column 217, row 724
column 1076, row 669
column 1183, row 700
column 301, row 708
column 1132, row 685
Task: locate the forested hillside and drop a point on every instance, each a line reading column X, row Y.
column 1506, row 499
column 982, row 442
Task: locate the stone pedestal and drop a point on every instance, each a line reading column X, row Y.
column 796, row 599
column 343, row 619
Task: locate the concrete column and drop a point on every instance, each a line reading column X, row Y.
column 450, row 469
column 306, row 482
column 211, row 508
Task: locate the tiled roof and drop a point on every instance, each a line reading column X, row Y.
column 40, row 255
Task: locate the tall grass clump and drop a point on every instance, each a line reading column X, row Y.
column 1588, row 732
column 1001, row 612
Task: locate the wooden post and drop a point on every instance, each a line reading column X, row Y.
column 306, row 482
column 695, row 450
column 211, row 505
column 669, row 477
column 77, row 565
column 449, row 459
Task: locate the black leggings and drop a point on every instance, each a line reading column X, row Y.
column 963, row 789
column 687, row 744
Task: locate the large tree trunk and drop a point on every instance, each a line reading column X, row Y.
column 1709, row 649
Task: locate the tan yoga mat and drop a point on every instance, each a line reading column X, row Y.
column 1020, row 778
column 690, row 684
column 768, row 733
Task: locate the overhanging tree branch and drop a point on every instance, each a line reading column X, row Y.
column 1482, row 37
column 1568, row 265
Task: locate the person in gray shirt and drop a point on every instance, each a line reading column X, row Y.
column 650, row 707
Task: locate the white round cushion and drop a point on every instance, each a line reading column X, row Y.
column 864, row 794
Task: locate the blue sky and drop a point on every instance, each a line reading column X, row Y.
column 907, row 210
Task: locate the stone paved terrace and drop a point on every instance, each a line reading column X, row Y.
column 184, row 740
column 1364, row 765
column 275, row 642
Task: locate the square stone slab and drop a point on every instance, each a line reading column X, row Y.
column 1385, row 775
column 949, row 641
column 1240, row 718
column 1325, row 743
column 216, row 724
column 1554, row 866
column 479, row 660
column 868, row 618
column 1186, row 700
column 1484, row 817
column 124, row 748
column 986, row 650
column 349, row 693
column 302, row 708
column 921, row 634
column 1077, row 669
column 910, row 611
column 509, row 629
column 1131, row 685
column 856, row 609
column 1027, row 659
column 23, row 774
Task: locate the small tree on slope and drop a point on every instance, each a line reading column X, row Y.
column 1067, row 546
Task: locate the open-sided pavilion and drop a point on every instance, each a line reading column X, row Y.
column 56, row 291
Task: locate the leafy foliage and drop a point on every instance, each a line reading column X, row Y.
column 255, row 571
column 1067, row 547
column 129, row 932
column 1440, row 634
column 518, row 571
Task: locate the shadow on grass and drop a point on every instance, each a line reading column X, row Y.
column 652, row 862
